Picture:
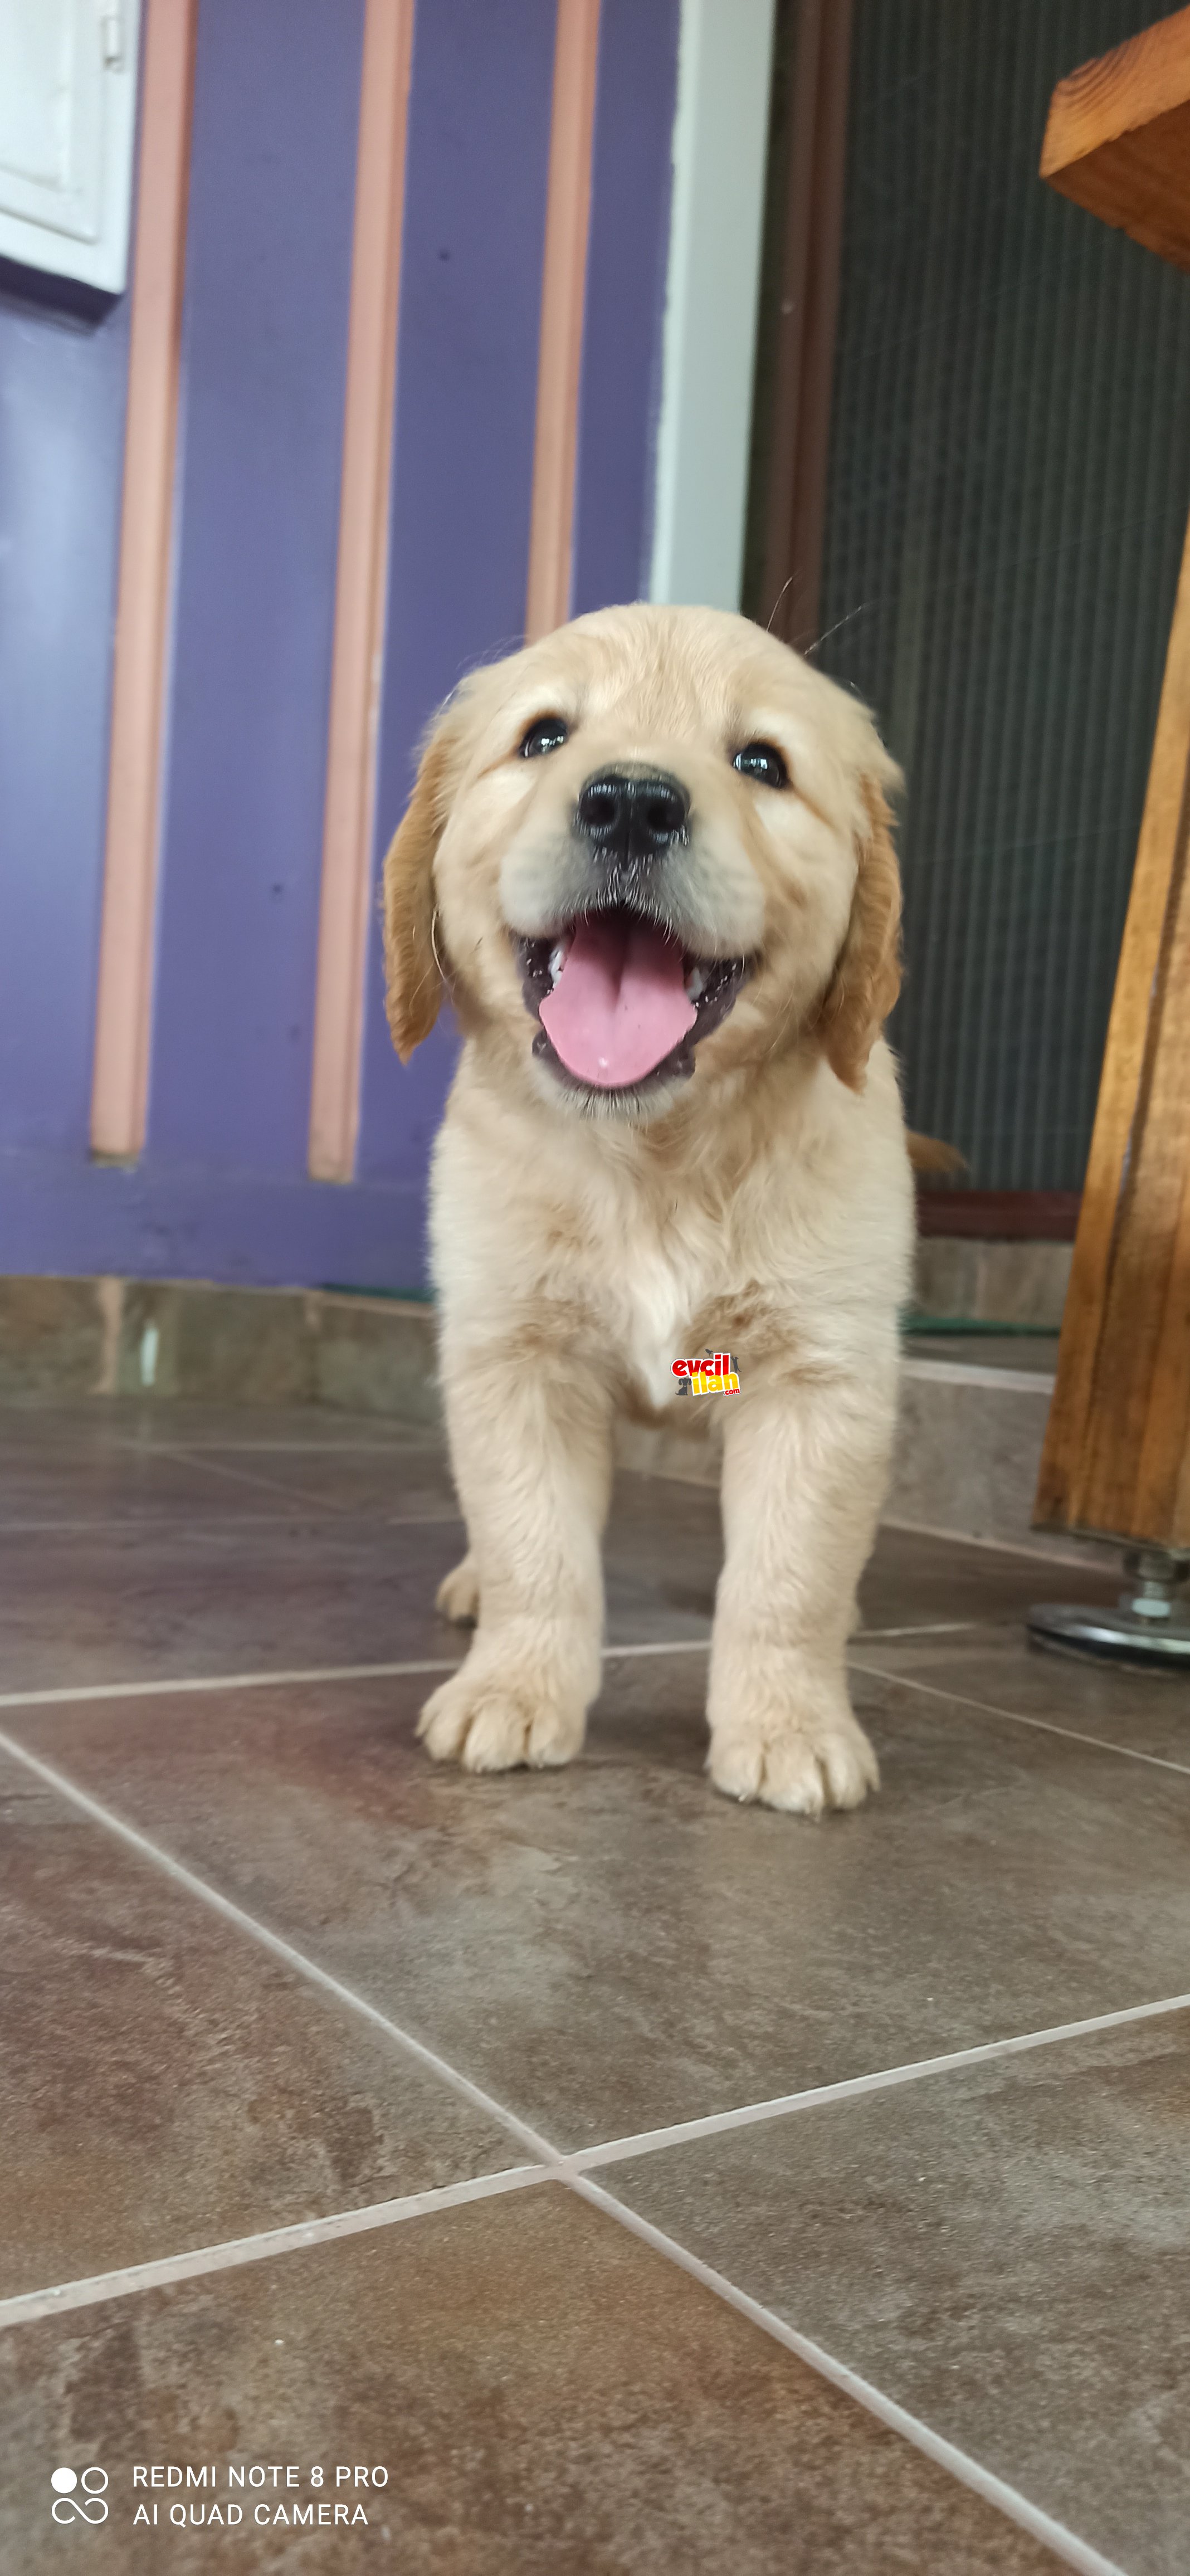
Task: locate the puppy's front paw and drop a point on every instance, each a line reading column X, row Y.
column 490, row 1722
column 457, row 1596
column 802, row 1753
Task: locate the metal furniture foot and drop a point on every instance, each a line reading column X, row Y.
column 1149, row 1625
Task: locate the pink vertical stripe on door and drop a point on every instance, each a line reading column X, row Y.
column 360, row 590
column 124, row 1006
column 568, row 209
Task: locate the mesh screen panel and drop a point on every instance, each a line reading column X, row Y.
column 1010, row 479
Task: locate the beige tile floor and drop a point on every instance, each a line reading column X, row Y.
column 615, row 2179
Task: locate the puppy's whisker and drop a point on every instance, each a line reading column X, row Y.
column 808, row 651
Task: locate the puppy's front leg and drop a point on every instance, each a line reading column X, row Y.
column 803, row 1477
column 531, row 1450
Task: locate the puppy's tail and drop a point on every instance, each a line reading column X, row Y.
column 929, row 1154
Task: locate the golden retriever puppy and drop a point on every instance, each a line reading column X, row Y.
column 649, row 860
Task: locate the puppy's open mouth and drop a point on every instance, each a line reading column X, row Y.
column 622, row 1003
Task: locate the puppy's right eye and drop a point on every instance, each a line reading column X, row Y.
column 759, row 760
column 547, row 733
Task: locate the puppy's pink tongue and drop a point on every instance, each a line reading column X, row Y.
column 619, row 1005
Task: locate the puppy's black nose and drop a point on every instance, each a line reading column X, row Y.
column 632, row 815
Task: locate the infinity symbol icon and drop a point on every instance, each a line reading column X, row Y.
column 90, row 2506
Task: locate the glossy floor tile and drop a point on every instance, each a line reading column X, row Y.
column 1142, row 1711
column 406, row 1484
column 113, row 1485
column 1004, row 2249
column 130, row 1605
column 149, row 1421
column 670, row 1534
column 165, row 2083
column 538, row 2391
column 168, row 1456
column 133, row 1602
column 913, row 1578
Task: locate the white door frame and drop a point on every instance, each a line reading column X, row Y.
column 720, row 145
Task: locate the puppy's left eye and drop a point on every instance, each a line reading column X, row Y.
column 547, row 734
column 759, row 760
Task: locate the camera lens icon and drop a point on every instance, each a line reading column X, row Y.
column 79, row 2499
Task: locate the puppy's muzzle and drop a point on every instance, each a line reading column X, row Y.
column 630, row 819
column 620, row 997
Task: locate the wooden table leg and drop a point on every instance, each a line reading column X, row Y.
column 1117, row 1450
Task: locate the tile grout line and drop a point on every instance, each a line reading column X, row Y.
column 658, row 1646
column 62, row 1695
column 244, row 1476
column 410, row 1442
column 234, row 1524
column 552, row 2164
column 946, row 2455
column 67, row 1692
column 1038, row 1557
column 1017, row 1717
column 452, row 1519
column 746, row 2115
column 26, row 2307
column 148, row 1520
column 301, row 1498
column 920, row 1628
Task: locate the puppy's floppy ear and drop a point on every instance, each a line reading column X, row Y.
column 412, row 960
column 867, row 976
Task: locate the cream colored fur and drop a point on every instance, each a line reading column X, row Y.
column 764, row 1207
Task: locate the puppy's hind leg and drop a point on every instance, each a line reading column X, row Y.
column 457, row 1596
column 531, row 1447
